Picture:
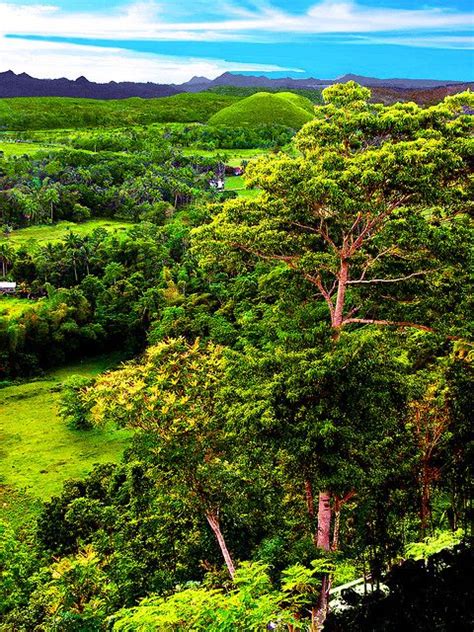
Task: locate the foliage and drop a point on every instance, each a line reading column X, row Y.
column 433, row 544
column 254, row 604
column 17, row 565
column 298, row 410
column 31, row 113
column 71, row 409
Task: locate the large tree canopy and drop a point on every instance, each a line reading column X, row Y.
column 372, row 211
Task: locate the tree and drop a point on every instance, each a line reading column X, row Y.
column 6, row 256
column 172, row 399
column 361, row 217
column 363, row 208
column 49, row 194
column 333, row 417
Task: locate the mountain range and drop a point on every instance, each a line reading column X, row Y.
column 23, row 85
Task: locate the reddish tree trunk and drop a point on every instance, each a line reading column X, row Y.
column 324, row 542
column 335, row 535
column 213, row 521
column 343, row 277
column 425, row 501
column 324, row 521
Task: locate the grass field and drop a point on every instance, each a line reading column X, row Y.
column 12, row 307
column 56, row 232
column 37, row 451
column 237, row 184
column 233, row 157
column 21, row 149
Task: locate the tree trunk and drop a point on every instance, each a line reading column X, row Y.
column 335, row 535
column 324, row 521
column 324, row 542
column 343, row 277
column 213, row 521
column 425, row 501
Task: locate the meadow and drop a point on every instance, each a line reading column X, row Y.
column 38, row 451
column 41, row 234
column 9, row 149
column 12, row 307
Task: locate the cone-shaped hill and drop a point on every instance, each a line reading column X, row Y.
column 265, row 108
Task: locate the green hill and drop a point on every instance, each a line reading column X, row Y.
column 265, row 108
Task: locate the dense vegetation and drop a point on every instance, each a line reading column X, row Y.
column 298, row 405
column 31, row 113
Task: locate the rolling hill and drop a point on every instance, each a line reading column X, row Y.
column 264, row 108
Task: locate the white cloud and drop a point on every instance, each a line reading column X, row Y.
column 453, row 42
column 202, row 20
column 53, row 59
column 169, row 20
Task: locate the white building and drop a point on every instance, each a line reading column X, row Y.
column 7, row 287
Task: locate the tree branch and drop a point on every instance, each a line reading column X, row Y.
column 395, row 280
column 403, row 324
column 372, row 321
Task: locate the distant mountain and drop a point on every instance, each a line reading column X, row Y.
column 252, row 81
column 23, row 85
column 373, row 82
column 12, row 85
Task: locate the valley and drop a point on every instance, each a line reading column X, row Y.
column 235, row 356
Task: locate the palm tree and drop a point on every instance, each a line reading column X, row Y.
column 73, row 244
column 6, row 256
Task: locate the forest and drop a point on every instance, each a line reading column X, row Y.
column 236, row 367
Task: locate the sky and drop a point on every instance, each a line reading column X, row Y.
column 170, row 41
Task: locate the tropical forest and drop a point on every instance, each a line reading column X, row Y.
column 236, row 362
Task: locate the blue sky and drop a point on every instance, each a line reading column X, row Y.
column 172, row 40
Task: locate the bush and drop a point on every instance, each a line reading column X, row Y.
column 71, row 407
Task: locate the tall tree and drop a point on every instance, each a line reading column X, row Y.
column 172, row 398
column 363, row 216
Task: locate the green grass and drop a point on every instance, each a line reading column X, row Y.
column 22, row 149
column 233, row 157
column 234, row 183
column 37, row 451
column 248, row 193
column 39, row 235
column 13, row 307
column 237, row 184
column 264, row 108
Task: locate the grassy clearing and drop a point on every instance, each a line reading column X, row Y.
column 38, row 452
column 13, row 307
column 232, row 157
column 39, row 235
column 22, row 149
column 237, row 184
